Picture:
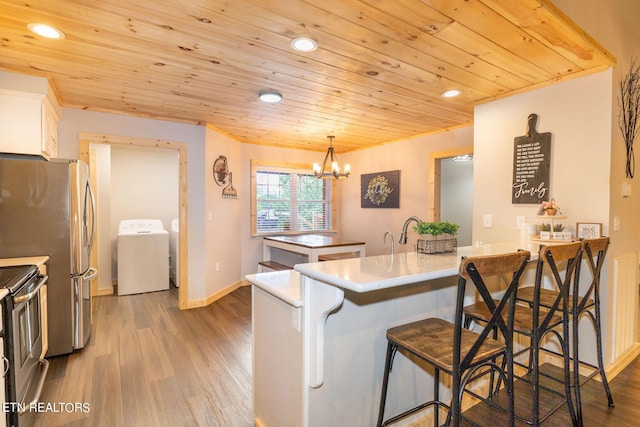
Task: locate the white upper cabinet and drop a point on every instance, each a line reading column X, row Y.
column 29, row 115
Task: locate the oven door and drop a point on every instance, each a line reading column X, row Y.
column 27, row 339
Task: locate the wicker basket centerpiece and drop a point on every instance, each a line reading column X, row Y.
column 436, row 237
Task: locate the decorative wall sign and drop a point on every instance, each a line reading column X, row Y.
column 531, row 165
column 380, row 190
column 588, row 230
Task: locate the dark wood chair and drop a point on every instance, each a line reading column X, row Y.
column 558, row 263
column 587, row 304
column 463, row 354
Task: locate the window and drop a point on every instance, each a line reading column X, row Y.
column 289, row 198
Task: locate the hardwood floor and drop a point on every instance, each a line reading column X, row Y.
column 150, row 364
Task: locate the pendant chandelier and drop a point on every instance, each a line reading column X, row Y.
column 330, row 167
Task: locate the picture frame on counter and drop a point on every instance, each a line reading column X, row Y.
column 588, row 230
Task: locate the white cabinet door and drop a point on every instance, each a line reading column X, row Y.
column 28, row 124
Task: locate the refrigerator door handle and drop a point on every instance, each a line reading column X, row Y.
column 90, row 274
column 89, row 193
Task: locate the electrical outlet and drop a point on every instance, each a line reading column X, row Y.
column 487, row 221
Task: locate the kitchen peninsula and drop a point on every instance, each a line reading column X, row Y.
column 319, row 334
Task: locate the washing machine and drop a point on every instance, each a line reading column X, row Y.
column 174, row 252
column 143, row 256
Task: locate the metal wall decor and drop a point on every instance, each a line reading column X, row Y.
column 223, row 177
column 380, row 190
column 531, row 165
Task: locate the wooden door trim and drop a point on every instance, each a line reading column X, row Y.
column 85, row 140
column 435, row 177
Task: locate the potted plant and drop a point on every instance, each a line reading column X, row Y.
column 545, row 231
column 427, row 229
column 559, row 233
column 442, row 232
column 549, row 208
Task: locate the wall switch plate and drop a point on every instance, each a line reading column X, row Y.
column 626, row 189
column 616, row 223
column 487, row 221
column 520, row 221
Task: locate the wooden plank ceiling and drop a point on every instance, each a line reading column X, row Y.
column 377, row 75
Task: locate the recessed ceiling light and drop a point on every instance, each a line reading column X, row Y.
column 45, row 30
column 270, row 96
column 463, row 158
column 304, row 44
column 451, row 93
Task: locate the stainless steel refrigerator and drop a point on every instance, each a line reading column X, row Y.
column 47, row 208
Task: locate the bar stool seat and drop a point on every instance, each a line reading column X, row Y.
column 547, row 297
column 465, row 355
column 432, row 340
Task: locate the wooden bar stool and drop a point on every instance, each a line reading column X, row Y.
column 587, row 304
column 463, row 354
column 536, row 322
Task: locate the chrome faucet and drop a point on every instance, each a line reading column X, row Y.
column 403, row 235
column 384, row 240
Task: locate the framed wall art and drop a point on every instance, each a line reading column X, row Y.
column 380, row 190
column 588, row 230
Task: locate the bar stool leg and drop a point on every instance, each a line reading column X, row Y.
column 533, row 368
column 391, row 349
column 576, row 417
column 603, row 375
column 436, row 394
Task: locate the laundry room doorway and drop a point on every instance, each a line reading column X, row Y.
column 89, row 148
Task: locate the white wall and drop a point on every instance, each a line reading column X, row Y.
column 144, row 185
column 76, row 121
column 224, row 249
column 411, row 157
column 577, row 113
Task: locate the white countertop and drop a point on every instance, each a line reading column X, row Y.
column 284, row 285
column 386, row 271
column 374, row 272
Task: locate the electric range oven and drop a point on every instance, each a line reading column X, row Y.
column 25, row 368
